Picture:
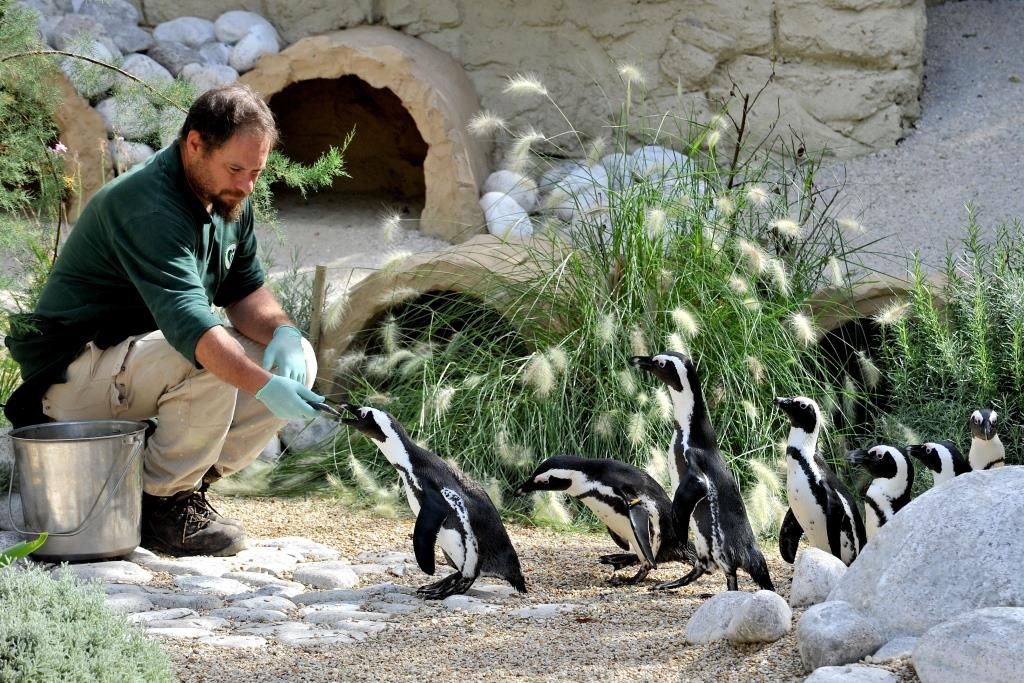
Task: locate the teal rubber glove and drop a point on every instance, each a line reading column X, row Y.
column 288, row 399
column 285, row 352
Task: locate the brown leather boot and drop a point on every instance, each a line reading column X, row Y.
column 181, row 525
column 211, row 511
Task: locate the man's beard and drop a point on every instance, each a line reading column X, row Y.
column 229, row 212
column 228, row 209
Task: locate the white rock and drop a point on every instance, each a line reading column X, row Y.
column 134, row 119
column 174, row 55
column 197, row 565
column 115, row 571
column 833, row 633
column 233, row 641
column 208, row 76
column 310, row 551
column 130, row 588
column 580, row 176
column 360, row 628
column 656, row 162
column 294, row 627
column 8, row 506
column 385, row 556
column 208, row 623
column 391, row 607
column 945, row 554
column 232, row 26
column 191, row 31
column 260, row 579
column 981, row 646
column 851, row 674
column 319, row 597
column 397, row 569
column 550, row 177
column 815, row 574
column 505, row 218
column 404, row 599
column 369, row 568
column 146, row 68
column 129, row 603
column 130, row 38
column 289, row 591
column 331, row 574
column 215, row 54
column 271, row 453
column 763, row 618
column 273, row 602
column 186, row 600
column 711, row 620
column 273, row 561
column 210, row 585
column 260, row 40
column 124, row 153
column 110, row 12
column 160, row 615
column 894, row 649
column 543, row 611
column 314, row 638
column 244, row 614
column 329, row 613
column 469, row 604
column 141, row 556
column 618, row 164
column 517, row 186
column 491, row 591
column 184, row 633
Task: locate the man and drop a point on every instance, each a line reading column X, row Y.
column 124, row 328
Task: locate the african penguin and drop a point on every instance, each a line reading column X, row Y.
column 820, row 505
column 451, row 510
column 986, row 449
column 707, row 498
column 631, row 504
column 889, row 491
column 942, row 458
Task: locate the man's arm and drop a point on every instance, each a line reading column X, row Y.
column 219, row 353
column 256, row 316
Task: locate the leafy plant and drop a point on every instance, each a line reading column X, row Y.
column 714, row 256
column 20, row 550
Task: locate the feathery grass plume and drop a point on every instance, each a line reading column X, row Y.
column 892, row 314
column 397, row 358
column 604, row 425
column 781, row 446
column 850, row 225
column 642, row 398
column 627, row 382
column 718, row 394
column 835, row 269
column 636, row 432
column 525, row 84
column 413, row 363
column 664, row 403
column 779, row 276
column 512, row 454
column 348, row 361
column 757, row 195
column 752, row 304
column 443, row 400
column 607, row 328
column 750, row 409
column 713, row 138
column 398, row 295
column 365, row 481
column 674, row 342
column 390, row 222
column 473, row 381
column 738, row 284
column 485, row 122
column 558, row 358
column 377, row 366
column 764, row 509
column 868, row 370
column 755, row 367
column 631, row 74
column 849, row 397
column 725, row 205
column 390, row 334
column 549, row 509
column 519, row 153
column 787, row 227
column 539, row 375
column 637, row 342
column 336, row 310
column 596, row 150
column 655, row 222
column 666, row 278
column 394, row 261
column 492, row 487
column 803, row 328
column 657, row 466
column 909, row 435
column 718, row 122
column 686, row 322
column 756, row 258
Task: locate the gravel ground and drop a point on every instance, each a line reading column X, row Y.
column 966, row 147
column 618, row 634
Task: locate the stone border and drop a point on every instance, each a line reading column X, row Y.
column 432, row 87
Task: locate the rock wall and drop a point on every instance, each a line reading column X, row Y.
column 847, row 72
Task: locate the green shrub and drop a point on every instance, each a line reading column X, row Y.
column 59, row 630
column 714, row 257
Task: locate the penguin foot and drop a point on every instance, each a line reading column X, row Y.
column 453, row 584
column 631, row 581
column 695, row 574
column 619, row 560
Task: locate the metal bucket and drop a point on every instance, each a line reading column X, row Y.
column 81, row 482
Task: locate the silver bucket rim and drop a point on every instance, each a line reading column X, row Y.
column 137, row 427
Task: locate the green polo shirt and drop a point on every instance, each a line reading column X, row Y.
column 144, row 255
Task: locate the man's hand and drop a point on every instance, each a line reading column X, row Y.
column 285, row 351
column 288, row 399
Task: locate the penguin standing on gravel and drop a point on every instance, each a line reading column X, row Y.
column 889, row 491
column 986, row 449
column 707, row 499
column 820, row 505
column 451, row 510
column 630, row 502
column 942, row 458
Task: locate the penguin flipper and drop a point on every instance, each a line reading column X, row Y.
column 433, row 512
column 640, row 520
column 789, row 536
column 691, row 490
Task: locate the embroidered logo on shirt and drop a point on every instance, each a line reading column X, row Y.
column 229, row 255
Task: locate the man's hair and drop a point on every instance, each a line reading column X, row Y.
column 222, row 112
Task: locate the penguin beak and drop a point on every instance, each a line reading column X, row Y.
column 641, row 362
column 524, row 488
column 915, row 450
column 782, row 403
column 858, row 456
column 989, row 430
column 352, row 409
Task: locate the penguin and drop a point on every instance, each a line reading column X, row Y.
column 889, row 491
column 942, row 458
column 451, row 510
column 630, row 502
column 986, row 449
column 707, row 498
column 820, row 505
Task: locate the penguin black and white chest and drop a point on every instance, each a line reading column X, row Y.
column 451, row 510
column 889, row 491
column 707, row 499
column 986, row 449
column 820, row 505
column 626, row 499
column 942, row 458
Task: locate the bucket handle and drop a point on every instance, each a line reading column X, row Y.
column 136, row 450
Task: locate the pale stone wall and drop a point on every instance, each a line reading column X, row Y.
column 848, row 72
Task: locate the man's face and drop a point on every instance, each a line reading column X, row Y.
column 225, row 176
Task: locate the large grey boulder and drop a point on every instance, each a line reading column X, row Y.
column 815, row 575
column 983, row 646
column 740, row 617
column 955, row 549
column 833, row 633
column 851, row 674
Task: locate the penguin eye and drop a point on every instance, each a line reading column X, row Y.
column 977, row 419
column 661, row 362
column 992, row 418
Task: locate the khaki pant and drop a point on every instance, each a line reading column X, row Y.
column 203, row 422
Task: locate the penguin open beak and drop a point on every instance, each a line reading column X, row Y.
column 523, row 489
column 858, row 456
column 783, row 403
column 915, row 450
column 641, row 362
column 354, row 409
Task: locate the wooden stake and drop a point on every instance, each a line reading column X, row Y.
column 317, row 306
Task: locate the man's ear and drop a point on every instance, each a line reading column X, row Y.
column 194, row 142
